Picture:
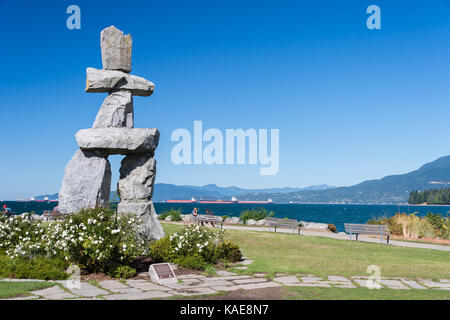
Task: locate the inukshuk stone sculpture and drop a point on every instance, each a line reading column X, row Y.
column 87, row 179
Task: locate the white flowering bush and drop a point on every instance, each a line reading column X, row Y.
column 196, row 240
column 93, row 238
column 21, row 236
column 194, row 247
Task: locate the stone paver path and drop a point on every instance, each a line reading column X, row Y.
column 195, row 285
column 225, row 281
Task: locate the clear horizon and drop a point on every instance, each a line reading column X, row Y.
column 351, row 104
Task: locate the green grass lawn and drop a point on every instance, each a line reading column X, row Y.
column 277, row 252
column 11, row 289
column 303, row 293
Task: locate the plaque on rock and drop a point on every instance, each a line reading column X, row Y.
column 162, row 273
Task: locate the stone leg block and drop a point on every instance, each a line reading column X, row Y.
column 145, row 210
column 86, row 183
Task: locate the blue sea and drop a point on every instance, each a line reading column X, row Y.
column 324, row 213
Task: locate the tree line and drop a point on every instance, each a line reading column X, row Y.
column 431, row 196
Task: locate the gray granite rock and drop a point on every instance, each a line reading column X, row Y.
column 110, row 80
column 86, row 183
column 137, row 174
column 152, row 229
column 119, row 140
column 116, row 49
column 116, row 111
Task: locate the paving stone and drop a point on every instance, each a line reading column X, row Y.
column 251, row 280
column 226, row 278
column 261, row 285
column 362, row 282
column 241, row 268
column 444, row 280
column 246, row 262
column 191, row 281
column 48, row 291
column 281, row 274
column 338, row 279
column 188, row 276
column 311, row 279
column 225, row 273
column 394, row 284
column 179, row 286
column 260, row 274
column 434, row 284
column 286, row 279
column 147, row 286
column 54, row 293
column 344, row 285
column 193, row 292
column 87, row 290
column 61, row 296
column 138, row 296
column 114, row 286
column 413, row 284
column 292, row 284
column 226, row 288
column 315, row 284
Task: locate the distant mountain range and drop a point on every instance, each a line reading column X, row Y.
column 388, row 190
column 164, row 191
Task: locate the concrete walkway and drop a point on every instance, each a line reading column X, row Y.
column 339, row 236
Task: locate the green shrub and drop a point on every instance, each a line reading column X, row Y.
column 228, row 251
column 37, row 268
column 255, row 214
column 118, row 271
column 175, row 215
column 162, row 250
column 192, row 262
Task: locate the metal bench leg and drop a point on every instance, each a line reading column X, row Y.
column 387, row 239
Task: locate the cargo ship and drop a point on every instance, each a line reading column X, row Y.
column 219, row 201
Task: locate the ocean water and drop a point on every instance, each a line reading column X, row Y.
column 323, row 213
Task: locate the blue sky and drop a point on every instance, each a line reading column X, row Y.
column 350, row 103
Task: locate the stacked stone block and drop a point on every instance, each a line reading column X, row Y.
column 87, row 179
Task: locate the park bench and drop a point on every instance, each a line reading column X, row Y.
column 278, row 222
column 377, row 229
column 206, row 218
